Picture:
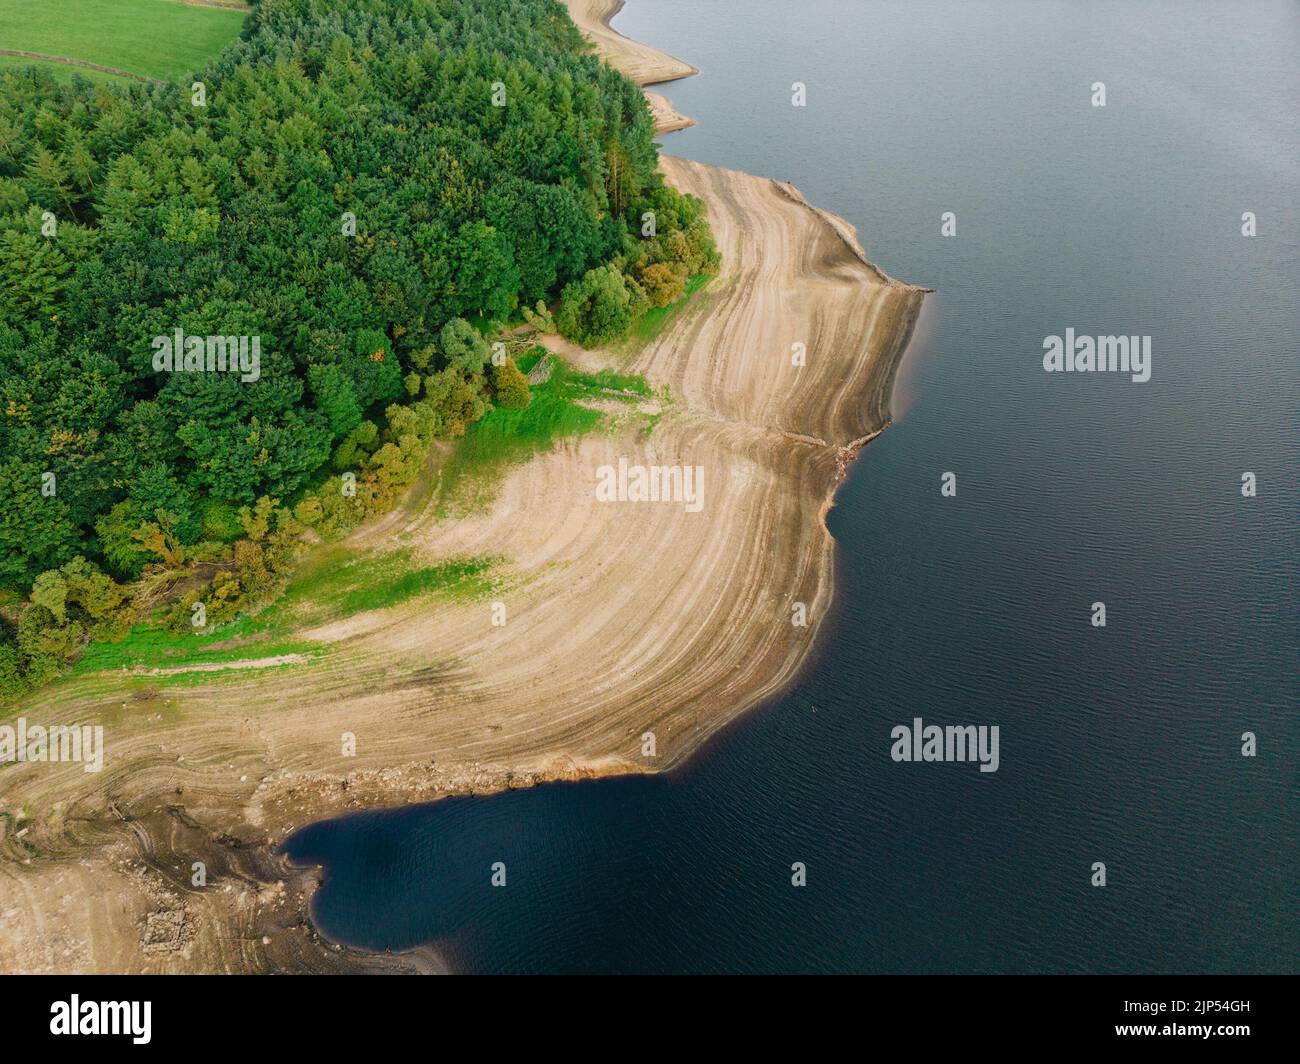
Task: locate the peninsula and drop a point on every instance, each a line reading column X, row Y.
column 619, row 619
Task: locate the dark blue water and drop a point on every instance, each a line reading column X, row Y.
column 1120, row 745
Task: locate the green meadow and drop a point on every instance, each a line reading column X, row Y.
column 162, row 39
column 503, row 437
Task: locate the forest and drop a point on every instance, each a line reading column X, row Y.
column 376, row 192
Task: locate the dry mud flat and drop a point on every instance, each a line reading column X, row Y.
column 622, row 618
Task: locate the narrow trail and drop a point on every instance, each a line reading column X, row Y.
column 84, row 63
column 225, row 5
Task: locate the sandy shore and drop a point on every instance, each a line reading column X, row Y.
column 623, row 619
column 640, row 62
column 667, row 118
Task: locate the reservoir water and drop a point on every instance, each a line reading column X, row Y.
column 1121, row 744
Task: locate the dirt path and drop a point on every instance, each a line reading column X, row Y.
column 226, row 5
column 84, row 63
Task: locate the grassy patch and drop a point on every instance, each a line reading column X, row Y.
column 155, row 648
column 503, row 437
column 157, row 38
column 330, row 586
column 527, row 361
column 610, row 385
column 334, row 585
column 654, row 320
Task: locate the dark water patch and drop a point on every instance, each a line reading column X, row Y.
column 1119, row 744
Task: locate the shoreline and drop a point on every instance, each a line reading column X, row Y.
column 639, row 62
column 620, row 622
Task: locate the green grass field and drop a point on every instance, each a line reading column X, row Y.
column 157, row 38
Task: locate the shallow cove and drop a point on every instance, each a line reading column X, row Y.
column 1120, row 745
